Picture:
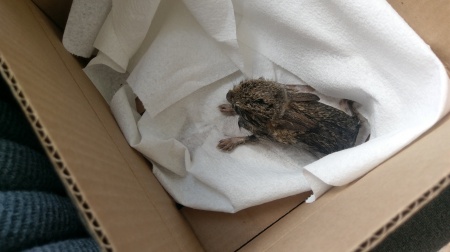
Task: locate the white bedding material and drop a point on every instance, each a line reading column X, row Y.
column 85, row 20
column 123, row 32
column 361, row 51
column 114, row 31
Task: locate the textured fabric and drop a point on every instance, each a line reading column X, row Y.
column 29, row 218
column 14, row 126
column 72, row 245
column 23, row 168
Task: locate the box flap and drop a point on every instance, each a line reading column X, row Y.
column 122, row 203
column 229, row 232
column 430, row 20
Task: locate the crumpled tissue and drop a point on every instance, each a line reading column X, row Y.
column 362, row 51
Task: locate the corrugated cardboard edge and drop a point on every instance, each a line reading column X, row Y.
column 54, row 155
column 171, row 229
column 369, row 243
column 358, row 216
column 429, row 20
column 403, row 216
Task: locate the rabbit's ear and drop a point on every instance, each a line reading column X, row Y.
column 299, row 88
column 302, row 97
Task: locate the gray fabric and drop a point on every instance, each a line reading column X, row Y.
column 72, row 245
column 23, row 168
column 29, row 218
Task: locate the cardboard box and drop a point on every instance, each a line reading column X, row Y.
column 126, row 209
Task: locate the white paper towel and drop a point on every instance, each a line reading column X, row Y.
column 123, row 31
column 114, row 31
column 181, row 59
column 85, row 20
column 361, row 51
column 182, row 143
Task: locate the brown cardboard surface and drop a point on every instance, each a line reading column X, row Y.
column 229, row 232
column 127, row 209
column 121, row 201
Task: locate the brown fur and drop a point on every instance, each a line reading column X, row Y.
column 279, row 112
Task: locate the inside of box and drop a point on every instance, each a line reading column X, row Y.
column 60, row 148
column 68, row 82
column 111, row 184
column 185, row 158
